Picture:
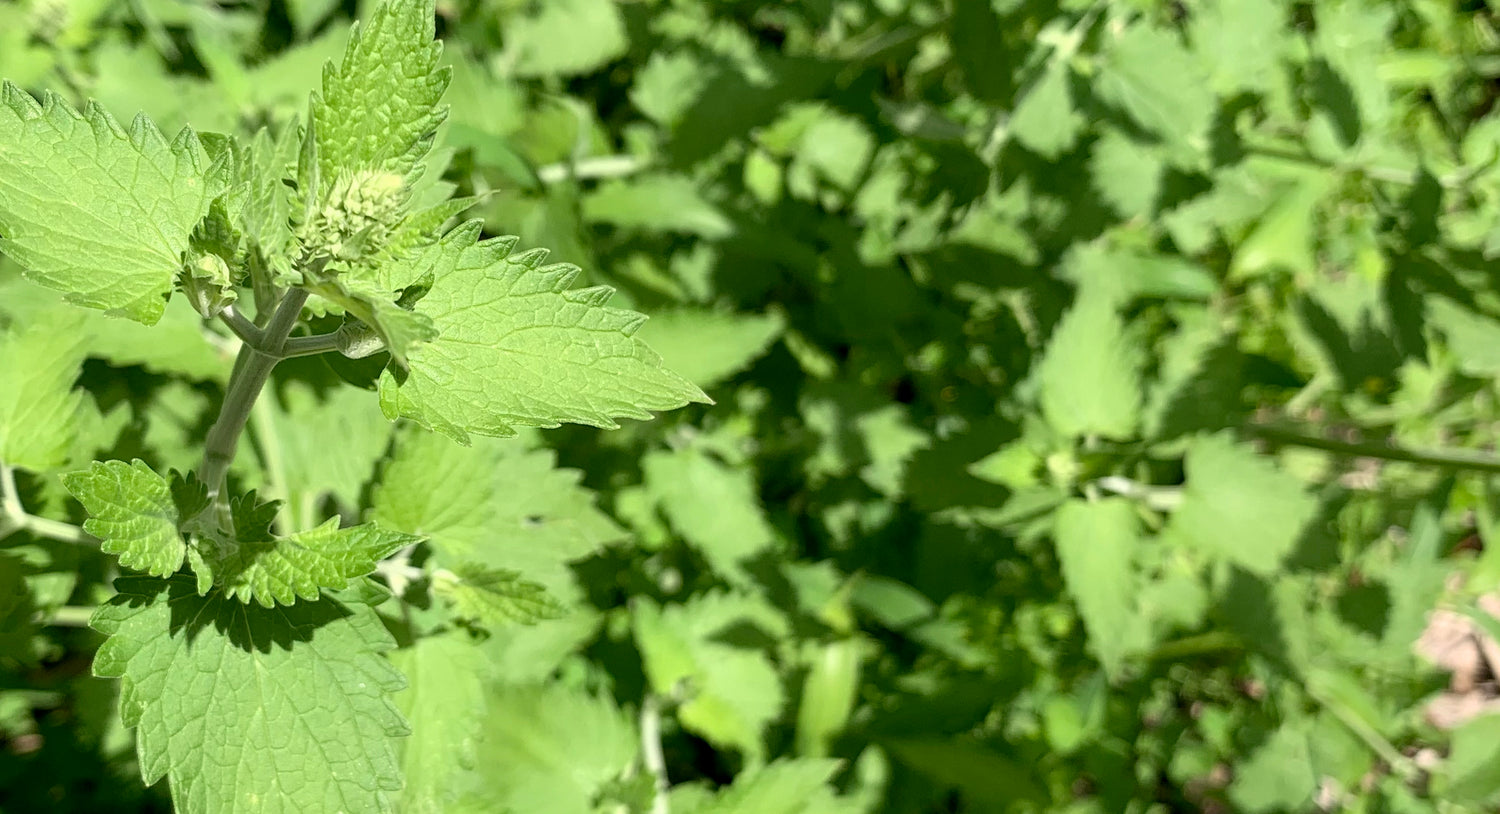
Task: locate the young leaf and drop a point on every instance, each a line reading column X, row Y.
column 494, row 597
column 95, row 211
column 132, row 511
column 281, row 570
column 516, row 347
column 379, row 106
column 243, row 708
column 38, row 404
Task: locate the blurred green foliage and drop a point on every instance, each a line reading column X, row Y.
column 1093, row 381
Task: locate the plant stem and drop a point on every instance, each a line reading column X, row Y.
column 70, row 616
column 651, row 752
column 252, row 370
column 607, row 166
column 14, row 517
column 1446, row 459
column 10, row 498
column 1159, row 498
column 269, row 442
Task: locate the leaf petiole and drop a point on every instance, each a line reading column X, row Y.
column 247, row 331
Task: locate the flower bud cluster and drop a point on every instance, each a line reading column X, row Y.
column 358, row 217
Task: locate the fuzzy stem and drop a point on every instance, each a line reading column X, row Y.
column 252, row 371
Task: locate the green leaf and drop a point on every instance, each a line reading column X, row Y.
column 801, row 786
column 548, row 748
column 735, row 693
column 1473, row 339
column 445, row 703
column 328, row 446
column 1044, row 119
column 1279, row 775
column 95, row 211
column 496, row 504
column 1239, row 42
column 379, row 106
column 1152, row 77
column 1239, row 506
column 714, row 507
column 565, row 37
column 1474, row 766
column 706, row 347
column 839, row 147
column 516, row 347
column 1127, row 173
column 38, row 406
column 131, row 509
column 1089, row 377
column 247, row 709
column 1123, row 275
column 282, row 570
column 1097, row 546
column 175, row 345
column 980, row 772
column 17, row 616
column 657, row 203
column 494, row 597
column 1284, row 238
column 668, row 84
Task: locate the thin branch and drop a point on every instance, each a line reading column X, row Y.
column 243, row 328
column 10, row 497
column 605, row 166
column 70, row 616
column 1160, row 498
column 57, row 530
column 651, row 752
column 1444, row 459
column 15, row 517
column 309, row 345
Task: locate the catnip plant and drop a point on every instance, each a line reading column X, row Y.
column 251, row 661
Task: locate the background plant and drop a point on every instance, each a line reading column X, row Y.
column 1104, row 399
